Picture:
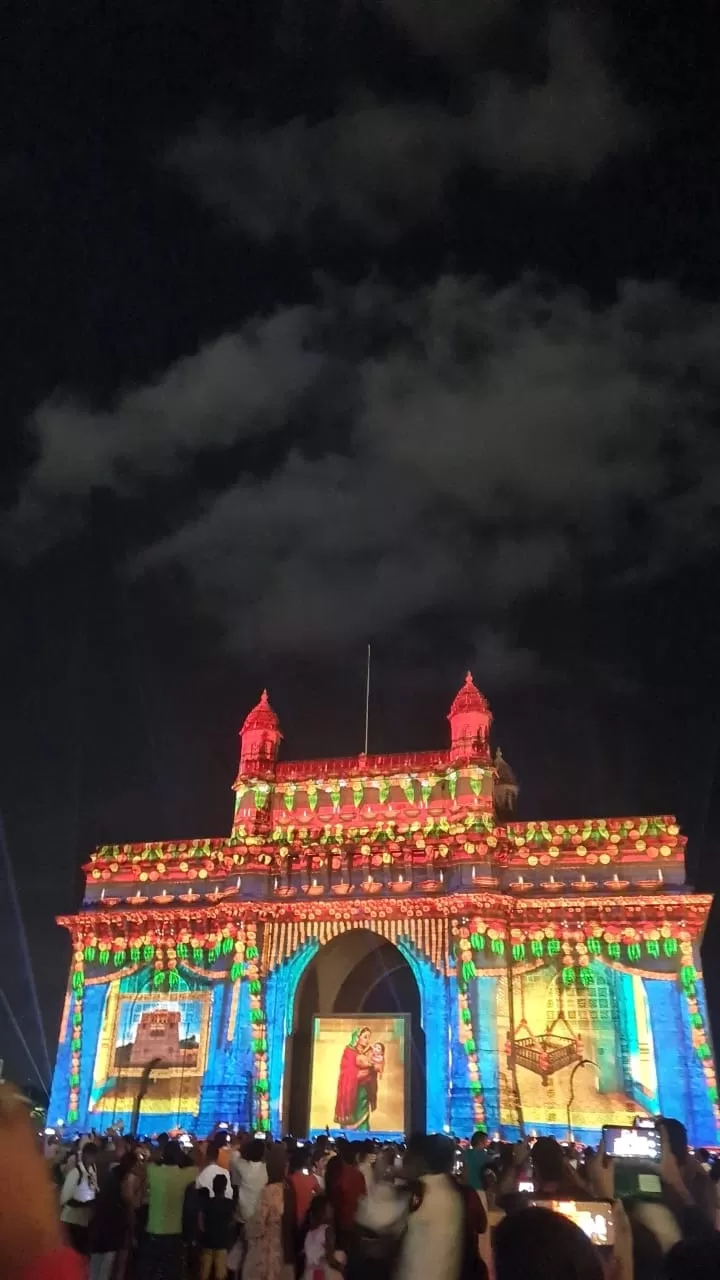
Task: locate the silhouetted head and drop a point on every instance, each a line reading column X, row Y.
column 173, row 1154
column 536, row 1244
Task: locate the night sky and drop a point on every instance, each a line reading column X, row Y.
column 350, row 321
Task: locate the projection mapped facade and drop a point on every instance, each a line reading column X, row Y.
column 553, row 967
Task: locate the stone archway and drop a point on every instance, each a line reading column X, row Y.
column 358, row 972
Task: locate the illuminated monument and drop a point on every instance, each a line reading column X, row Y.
column 378, row 930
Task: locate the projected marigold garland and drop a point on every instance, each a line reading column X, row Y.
column 258, row 1030
column 78, row 988
column 465, row 971
column 596, row 842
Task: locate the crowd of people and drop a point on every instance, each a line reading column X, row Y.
column 249, row 1208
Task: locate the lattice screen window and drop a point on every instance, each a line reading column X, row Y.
column 585, row 1008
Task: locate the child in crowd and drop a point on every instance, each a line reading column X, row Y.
column 215, row 1224
column 321, row 1260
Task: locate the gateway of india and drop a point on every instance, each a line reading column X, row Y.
column 525, row 976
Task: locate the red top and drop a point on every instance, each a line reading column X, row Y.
column 305, row 1186
column 61, row 1264
column 348, row 1190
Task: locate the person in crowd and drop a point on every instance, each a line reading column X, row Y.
column 158, row 1150
column 477, row 1159
column 304, row 1185
column 31, row 1236
column 322, row 1154
column 112, row 1229
column 434, row 1237
column 689, row 1179
column 77, row 1198
column 536, row 1244
column 164, row 1249
column 694, row 1259
column 366, row 1162
column 318, row 1245
column 476, row 1238
column 249, row 1175
column 215, row 1225
column 270, row 1231
column 345, row 1188
column 217, row 1160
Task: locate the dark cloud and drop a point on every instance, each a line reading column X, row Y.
column 487, row 443
column 380, row 166
column 502, row 440
column 236, row 386
column 375, row 167
column 565, row 126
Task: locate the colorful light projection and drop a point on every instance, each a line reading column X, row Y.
column 535, row 947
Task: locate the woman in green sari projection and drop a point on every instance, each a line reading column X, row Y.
column 357, row 1082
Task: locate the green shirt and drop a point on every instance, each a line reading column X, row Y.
column 167, row 1185
column 475, row 1161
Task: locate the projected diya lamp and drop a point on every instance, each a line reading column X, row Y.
column 370, row 885
column 401, row 884
column 583, row 885
column 433, row 883
column 342, row 889
column 189, row 896
column 552, row 885
column 652, row 884
column 136, row 900
column 520, row 885
column 214, row 896
column 285, row 891
column 314, row 888
column 482, row 882
column 163, row 899
column 616, row 884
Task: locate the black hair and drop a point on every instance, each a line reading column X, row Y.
column 317, row 1211
column 677, row 1138
column 254, row 1151
column 173, row 1152
column 538, row 1244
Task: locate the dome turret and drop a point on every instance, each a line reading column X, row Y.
column 260, row 739
column 470, row 719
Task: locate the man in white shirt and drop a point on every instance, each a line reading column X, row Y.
column 213, row 1168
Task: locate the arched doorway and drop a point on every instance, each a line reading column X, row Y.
column 357, row 973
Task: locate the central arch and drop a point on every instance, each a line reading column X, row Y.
column 357, row 973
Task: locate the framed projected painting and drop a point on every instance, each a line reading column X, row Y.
column 140, row 1028
column 358, row 1078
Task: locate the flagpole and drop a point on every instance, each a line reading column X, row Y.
column 367, row 701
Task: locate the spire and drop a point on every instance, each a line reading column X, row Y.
column 260, row 739
column 470, row 719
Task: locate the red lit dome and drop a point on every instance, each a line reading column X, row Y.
column 261, row 717
column 469, row 699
